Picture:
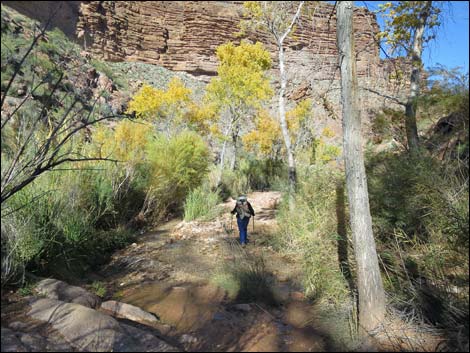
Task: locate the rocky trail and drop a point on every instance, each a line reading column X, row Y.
column 186, row 286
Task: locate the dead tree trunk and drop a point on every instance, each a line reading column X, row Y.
column 370, row 287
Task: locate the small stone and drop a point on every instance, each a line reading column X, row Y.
column 181, row 289
column 297, row 296
column 134, row 244
column 127, row 311
column 243, row 307
column 18, row 326
column 218, row 316
column 188, row 339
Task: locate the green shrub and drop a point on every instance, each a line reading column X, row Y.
column 252, row 174
column 177, row 165
column 420, row 214
column 201, row 203
column 53, row 223
column 99, row 288
column 26, row 289
column 314, row 229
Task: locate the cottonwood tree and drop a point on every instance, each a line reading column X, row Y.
column 369, row 281
column 266, row 137
column 408, row 26
column 278, row 18
column 239, row 89
column 171, row 110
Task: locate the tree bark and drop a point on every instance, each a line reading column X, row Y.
column 235, row 134
column 369, row 281
column 416, row 63
column 292, row 171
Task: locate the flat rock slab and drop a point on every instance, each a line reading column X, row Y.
column 127, row 311
column 55, row 289
column 11, row 342
column 92, row 331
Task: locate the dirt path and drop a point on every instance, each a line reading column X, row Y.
column 212, row 295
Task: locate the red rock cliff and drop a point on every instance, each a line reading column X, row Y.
column 183, row 35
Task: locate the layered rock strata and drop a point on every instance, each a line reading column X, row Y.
column 183, row 35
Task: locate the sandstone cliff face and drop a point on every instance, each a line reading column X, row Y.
column 183, row 35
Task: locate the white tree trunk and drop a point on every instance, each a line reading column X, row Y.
column 410, row 107
column 222, row 155
column 282, row 119
column 369, row 281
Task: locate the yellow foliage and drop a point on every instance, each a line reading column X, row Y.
column 253, row 8
column 324, row 152
column 266, row 134
column 153, row 104
column 126, row 143
column 402, row 18
column 174, row 107
column 252, row 56
column 327, row 132
column 202, row 117
column 241, row 80
column 146, row 102
column 296, row 116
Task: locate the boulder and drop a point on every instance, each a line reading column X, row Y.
column 127, row 311
column 54, row 289
column 92, row 331
column 85, row 328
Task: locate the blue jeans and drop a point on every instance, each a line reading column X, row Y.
column 243, row 229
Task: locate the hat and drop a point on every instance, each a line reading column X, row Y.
column 242, row 198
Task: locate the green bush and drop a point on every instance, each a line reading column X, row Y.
column 53, row 223
column 252, row 174
column 314, row 229
column 99, row 289
column 420, row 214
column 176, row 166
column 201, row 203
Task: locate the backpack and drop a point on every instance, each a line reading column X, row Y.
column 242, row 207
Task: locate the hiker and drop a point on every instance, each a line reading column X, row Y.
column 244, row 211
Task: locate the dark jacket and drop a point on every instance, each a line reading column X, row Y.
column 250, row 209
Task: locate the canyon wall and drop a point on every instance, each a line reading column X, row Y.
column 183, row 36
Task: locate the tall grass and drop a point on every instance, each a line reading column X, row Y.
column 420, row 211
column 201, row 203
column 314, row 229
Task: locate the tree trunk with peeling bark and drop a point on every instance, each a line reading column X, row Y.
column 369, row 280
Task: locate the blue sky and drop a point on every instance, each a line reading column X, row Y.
column 450, row 48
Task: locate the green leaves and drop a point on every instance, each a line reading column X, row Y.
column 403, row 18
